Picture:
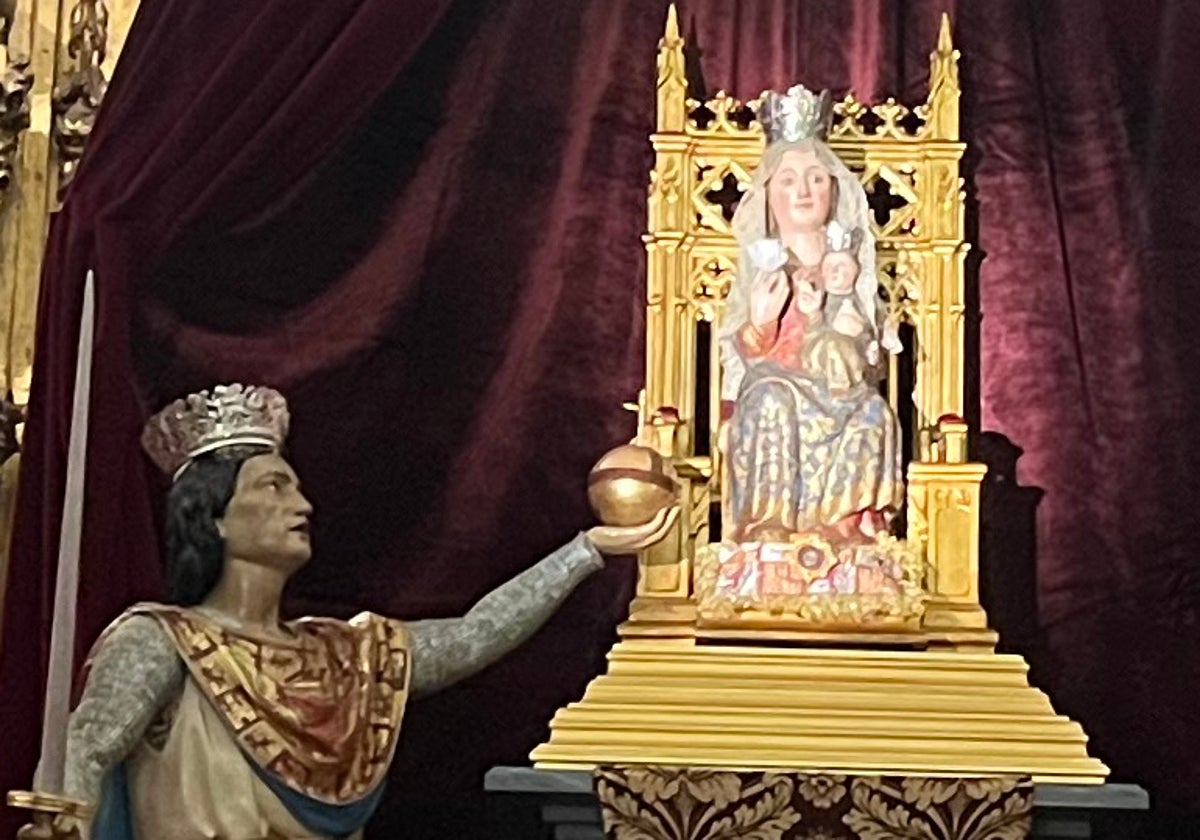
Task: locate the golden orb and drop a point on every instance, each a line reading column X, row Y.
column 630, row 484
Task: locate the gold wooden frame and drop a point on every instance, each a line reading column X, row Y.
column 691, row 257
column 62, row 52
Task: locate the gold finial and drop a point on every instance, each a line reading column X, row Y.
column 672, row 77
column 945, row 44
column 638, row 408
column 943, row 87
column 671, row 34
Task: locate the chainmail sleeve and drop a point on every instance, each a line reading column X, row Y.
column 447, row 650
column 134, row 674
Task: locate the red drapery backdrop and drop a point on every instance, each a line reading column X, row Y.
column 421, row 221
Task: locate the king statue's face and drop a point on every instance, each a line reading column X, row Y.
column 800, row 193
column 267, row 520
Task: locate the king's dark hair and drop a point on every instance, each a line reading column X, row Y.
column 197, row 499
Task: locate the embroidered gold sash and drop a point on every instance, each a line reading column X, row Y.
column 320, row 712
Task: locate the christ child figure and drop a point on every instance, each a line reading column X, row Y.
column 839, row 272
column 836, row 347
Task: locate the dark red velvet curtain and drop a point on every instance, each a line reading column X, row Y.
column 422, row 223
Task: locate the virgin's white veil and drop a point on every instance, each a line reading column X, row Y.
column 750, row 226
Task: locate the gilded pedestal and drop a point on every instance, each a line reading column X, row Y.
column 891, row 712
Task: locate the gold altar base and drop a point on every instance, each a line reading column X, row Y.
column 760, row 627
column 882, row 712
column 945, row 628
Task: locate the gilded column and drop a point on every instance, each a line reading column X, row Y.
column 943, row 516
column 943, row 486
column 663, row 571
column 944, row 207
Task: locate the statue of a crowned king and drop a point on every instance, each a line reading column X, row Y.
column 208, row 716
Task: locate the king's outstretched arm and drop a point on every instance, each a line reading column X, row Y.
column 136, row 672
column 447, row 650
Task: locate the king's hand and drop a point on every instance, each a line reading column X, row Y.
column 51, row 827
column 54, row 817
column 630, row 539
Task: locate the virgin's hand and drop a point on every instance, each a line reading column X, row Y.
column 628, row 539
column 723, row 437
column 891, row 337
column 767, row 297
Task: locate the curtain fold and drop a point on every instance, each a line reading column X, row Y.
column 421, row 220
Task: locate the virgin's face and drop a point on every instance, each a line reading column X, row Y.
column 266, row 521
column 800, row 192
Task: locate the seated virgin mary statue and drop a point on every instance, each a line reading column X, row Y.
column 209, row 718
column 811, row 446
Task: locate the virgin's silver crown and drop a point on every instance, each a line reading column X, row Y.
column 798, row 114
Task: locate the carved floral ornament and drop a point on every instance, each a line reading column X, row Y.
column 78, row 96
column 718, row 183
column 649, row 802
column 75, row 100
column 852, row 119
column 14, row 115
column 710, row 282
column 15, row 84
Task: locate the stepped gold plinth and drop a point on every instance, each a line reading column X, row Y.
column 899, row 712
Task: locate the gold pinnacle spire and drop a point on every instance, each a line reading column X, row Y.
column 671, row 34
column 945, row 44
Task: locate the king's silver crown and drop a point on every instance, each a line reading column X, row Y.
column 227, row 415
